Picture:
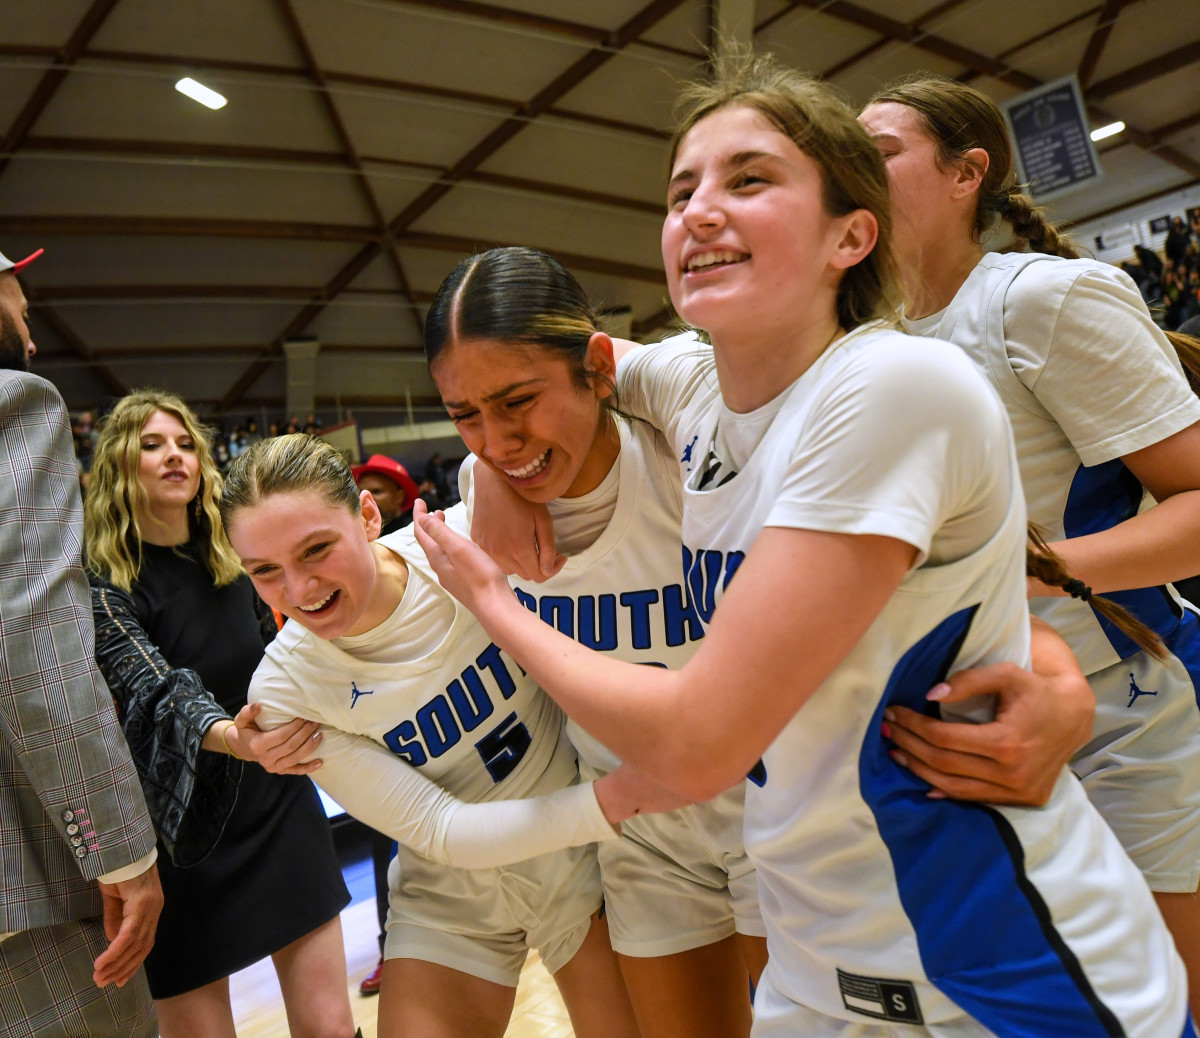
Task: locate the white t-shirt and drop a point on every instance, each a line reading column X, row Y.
column 1086, row 378
column 409, row 735
column 869, row 889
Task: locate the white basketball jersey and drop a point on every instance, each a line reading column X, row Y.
column 465, row 715
column 880, row 902
column 624, row 594
column 1086, row 378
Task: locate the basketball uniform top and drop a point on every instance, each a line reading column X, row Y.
column 879, row 901
column 623, row 594
column 1086, row 377
column 407, row 740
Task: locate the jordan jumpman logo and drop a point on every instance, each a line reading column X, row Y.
column 355, row 693
column 1134, row 692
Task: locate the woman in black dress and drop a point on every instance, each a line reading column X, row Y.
column 248, row 865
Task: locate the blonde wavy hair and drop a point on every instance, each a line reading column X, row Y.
column 115, row 500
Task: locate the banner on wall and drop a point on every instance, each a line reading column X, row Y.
column 1052, row 139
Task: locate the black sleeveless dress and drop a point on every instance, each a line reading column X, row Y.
column 273, row 874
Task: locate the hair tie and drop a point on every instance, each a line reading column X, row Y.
column 1078, row 589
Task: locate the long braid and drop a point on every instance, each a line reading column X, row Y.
column 1029, row 223
column 1187, row 348
column 1044, row 565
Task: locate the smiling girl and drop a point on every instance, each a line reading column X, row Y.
column 853, row 531
column 424, row 720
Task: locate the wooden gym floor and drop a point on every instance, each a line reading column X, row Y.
column 258, row 1006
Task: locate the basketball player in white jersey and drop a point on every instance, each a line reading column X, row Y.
column 853, row 530
column 1105, row 426
column 421, row 712
column 526, row 375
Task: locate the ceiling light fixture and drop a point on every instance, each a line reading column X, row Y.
column 199, row 92
column 1107, row 131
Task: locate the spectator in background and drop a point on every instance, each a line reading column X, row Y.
column 391, row 486
column 1177, row 240
column 435, row 473
column 1149, row 261
column 81, row 896
column 237, row 442
column 249, row 867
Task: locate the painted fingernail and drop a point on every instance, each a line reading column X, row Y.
column 899, row 758
column 939, row 691
column 887, row 730
column 889, row 714
column 936, row 794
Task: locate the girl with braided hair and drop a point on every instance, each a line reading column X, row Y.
column 1105, row 425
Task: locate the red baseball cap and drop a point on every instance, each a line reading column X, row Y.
column 382, row 465
column 6, row 264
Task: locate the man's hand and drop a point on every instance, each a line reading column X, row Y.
column 1041, row 720
column 131, row 911
column 282, row 751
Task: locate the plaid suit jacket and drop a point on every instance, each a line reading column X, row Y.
column 71, row 806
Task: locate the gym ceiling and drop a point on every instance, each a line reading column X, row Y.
column 368, row 145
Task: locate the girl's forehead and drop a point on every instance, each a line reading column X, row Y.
column 487, row 363
column 891, row 117
column 162, row 420
column 296, row 508
column 729, row 124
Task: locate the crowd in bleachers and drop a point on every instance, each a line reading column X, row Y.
column 1170, row 283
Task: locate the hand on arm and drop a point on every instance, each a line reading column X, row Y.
column 518, row 534
column 285, row 750
column 627, row 792
column 131, row 910
column 1042, row 718
column 746, row 675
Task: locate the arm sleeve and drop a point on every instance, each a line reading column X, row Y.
column 907, row 439
column 165, row 712
column 130, row 871
column 56, row 715
column 392, row 797
column 655, row 383
column 1081, row 339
